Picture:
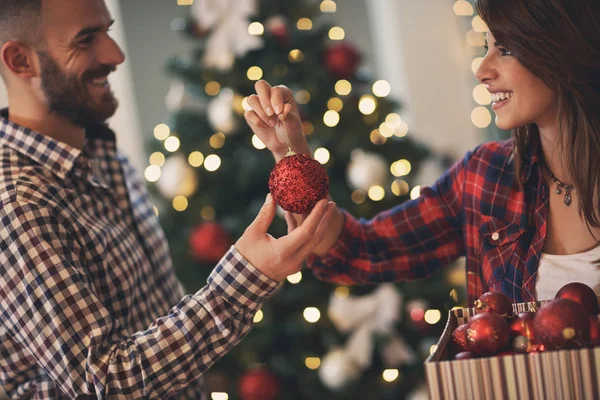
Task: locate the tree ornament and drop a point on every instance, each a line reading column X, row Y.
column 259, row 384
column 521, row 331
column 561, row 324
column 496, row 302
column 582, row 294
column 459, row 338
column 209, row 242
column 366, row 170
column 338, row 369
column 341, row 60
column 594, row 331
column 298, row 182
column 487, row 333
column 177, row 178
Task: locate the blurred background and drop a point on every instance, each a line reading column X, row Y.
column 388, row 99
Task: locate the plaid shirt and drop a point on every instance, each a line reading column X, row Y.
column 475, row 210
column 87, row 284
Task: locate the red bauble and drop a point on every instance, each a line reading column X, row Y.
column 259, row 384
column 465, row 355
column 298, row 182
column 341, row 60
column 209, row 242
column 594, row 331
column 278, row 27
column 487, row 333
column 582, row 294
column 496, row 302
column 521, row 331
column 561, row 324
column 459, row 338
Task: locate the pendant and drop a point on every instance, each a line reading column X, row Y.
column 568, row 199
column 557, row 191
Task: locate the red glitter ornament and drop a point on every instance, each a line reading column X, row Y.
column 298, row 182
column 594, row 331
column 459, row 338
column 259, row 384
column 582, row 294
column 521, row 326
column 487, row 333
column 561, row 324
column 496, row 302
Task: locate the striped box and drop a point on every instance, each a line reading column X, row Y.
column 551, row 375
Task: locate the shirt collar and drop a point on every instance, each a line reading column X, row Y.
column 532, row 157
column 56, row 156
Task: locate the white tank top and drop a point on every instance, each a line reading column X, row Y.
column 556, row 271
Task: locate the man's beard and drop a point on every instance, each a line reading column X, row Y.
column 68, row 95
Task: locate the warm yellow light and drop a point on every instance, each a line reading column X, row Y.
column 196, row 159
column 157, row 158
column 302, row 96
column 258, row 316
column 337, row 33
column 359, row 196
column 296, row 55
column 212, row 88
column 481, row 117
column 401, row 168
column 475, row 39
column 217, row 140
column 155, row 210
column 402, row 130
column 295, row 278
column 476, row 64
column 381, row 88
column 161, row 131
column 185, row 2
column 322, row 155
column 387, row 130
column 311, row 314
column 482, row 95
column 212, row 162
column 390, row 375
column 245, row 104
column 400, row 187
column 415, row 192
column 256, row 29
column 312, row 362
column 376, row 193
column 254, row 73
column 207, row 213
column 335, row 104
column 367, row 104
column 172, row 144
column 308, row 128
column 343, row 87
column 433, row 348
column 328, row 6
column 331, row 118
column 341, row 292
column 432, row 317
column 394, row 119
column 478, row 24
column 454, row 295
column 257, row 143
column 463, row 7
column 219, row 396
column 152, row 173
column 304, row 24
column 180, row 203
column 376, row 137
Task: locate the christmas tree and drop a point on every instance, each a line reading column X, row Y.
column 209, row 176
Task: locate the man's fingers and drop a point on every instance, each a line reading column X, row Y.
column 320, row 232
column 291, row 222
column 263, row 89
column 255, row 103
column 265, row 216
column 304, row 232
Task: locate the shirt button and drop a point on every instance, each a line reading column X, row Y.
column 495, row 236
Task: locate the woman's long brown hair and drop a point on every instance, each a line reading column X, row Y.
column 559, row 42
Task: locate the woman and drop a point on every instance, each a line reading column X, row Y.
column 524, row 212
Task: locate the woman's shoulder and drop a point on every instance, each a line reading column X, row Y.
column 497, row 155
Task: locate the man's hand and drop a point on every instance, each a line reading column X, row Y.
column 270, row 105
column 279, row 258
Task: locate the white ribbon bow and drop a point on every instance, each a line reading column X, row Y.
column 229, row 21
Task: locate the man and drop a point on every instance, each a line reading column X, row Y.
column 89, row 302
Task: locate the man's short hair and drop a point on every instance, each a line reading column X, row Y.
column 20, row 20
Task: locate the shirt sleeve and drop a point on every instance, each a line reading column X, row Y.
column 407, row 242
column 49, row 306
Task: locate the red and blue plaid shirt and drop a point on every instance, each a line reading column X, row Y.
column 475, row 209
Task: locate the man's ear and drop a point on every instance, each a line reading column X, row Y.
column 18, row 59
